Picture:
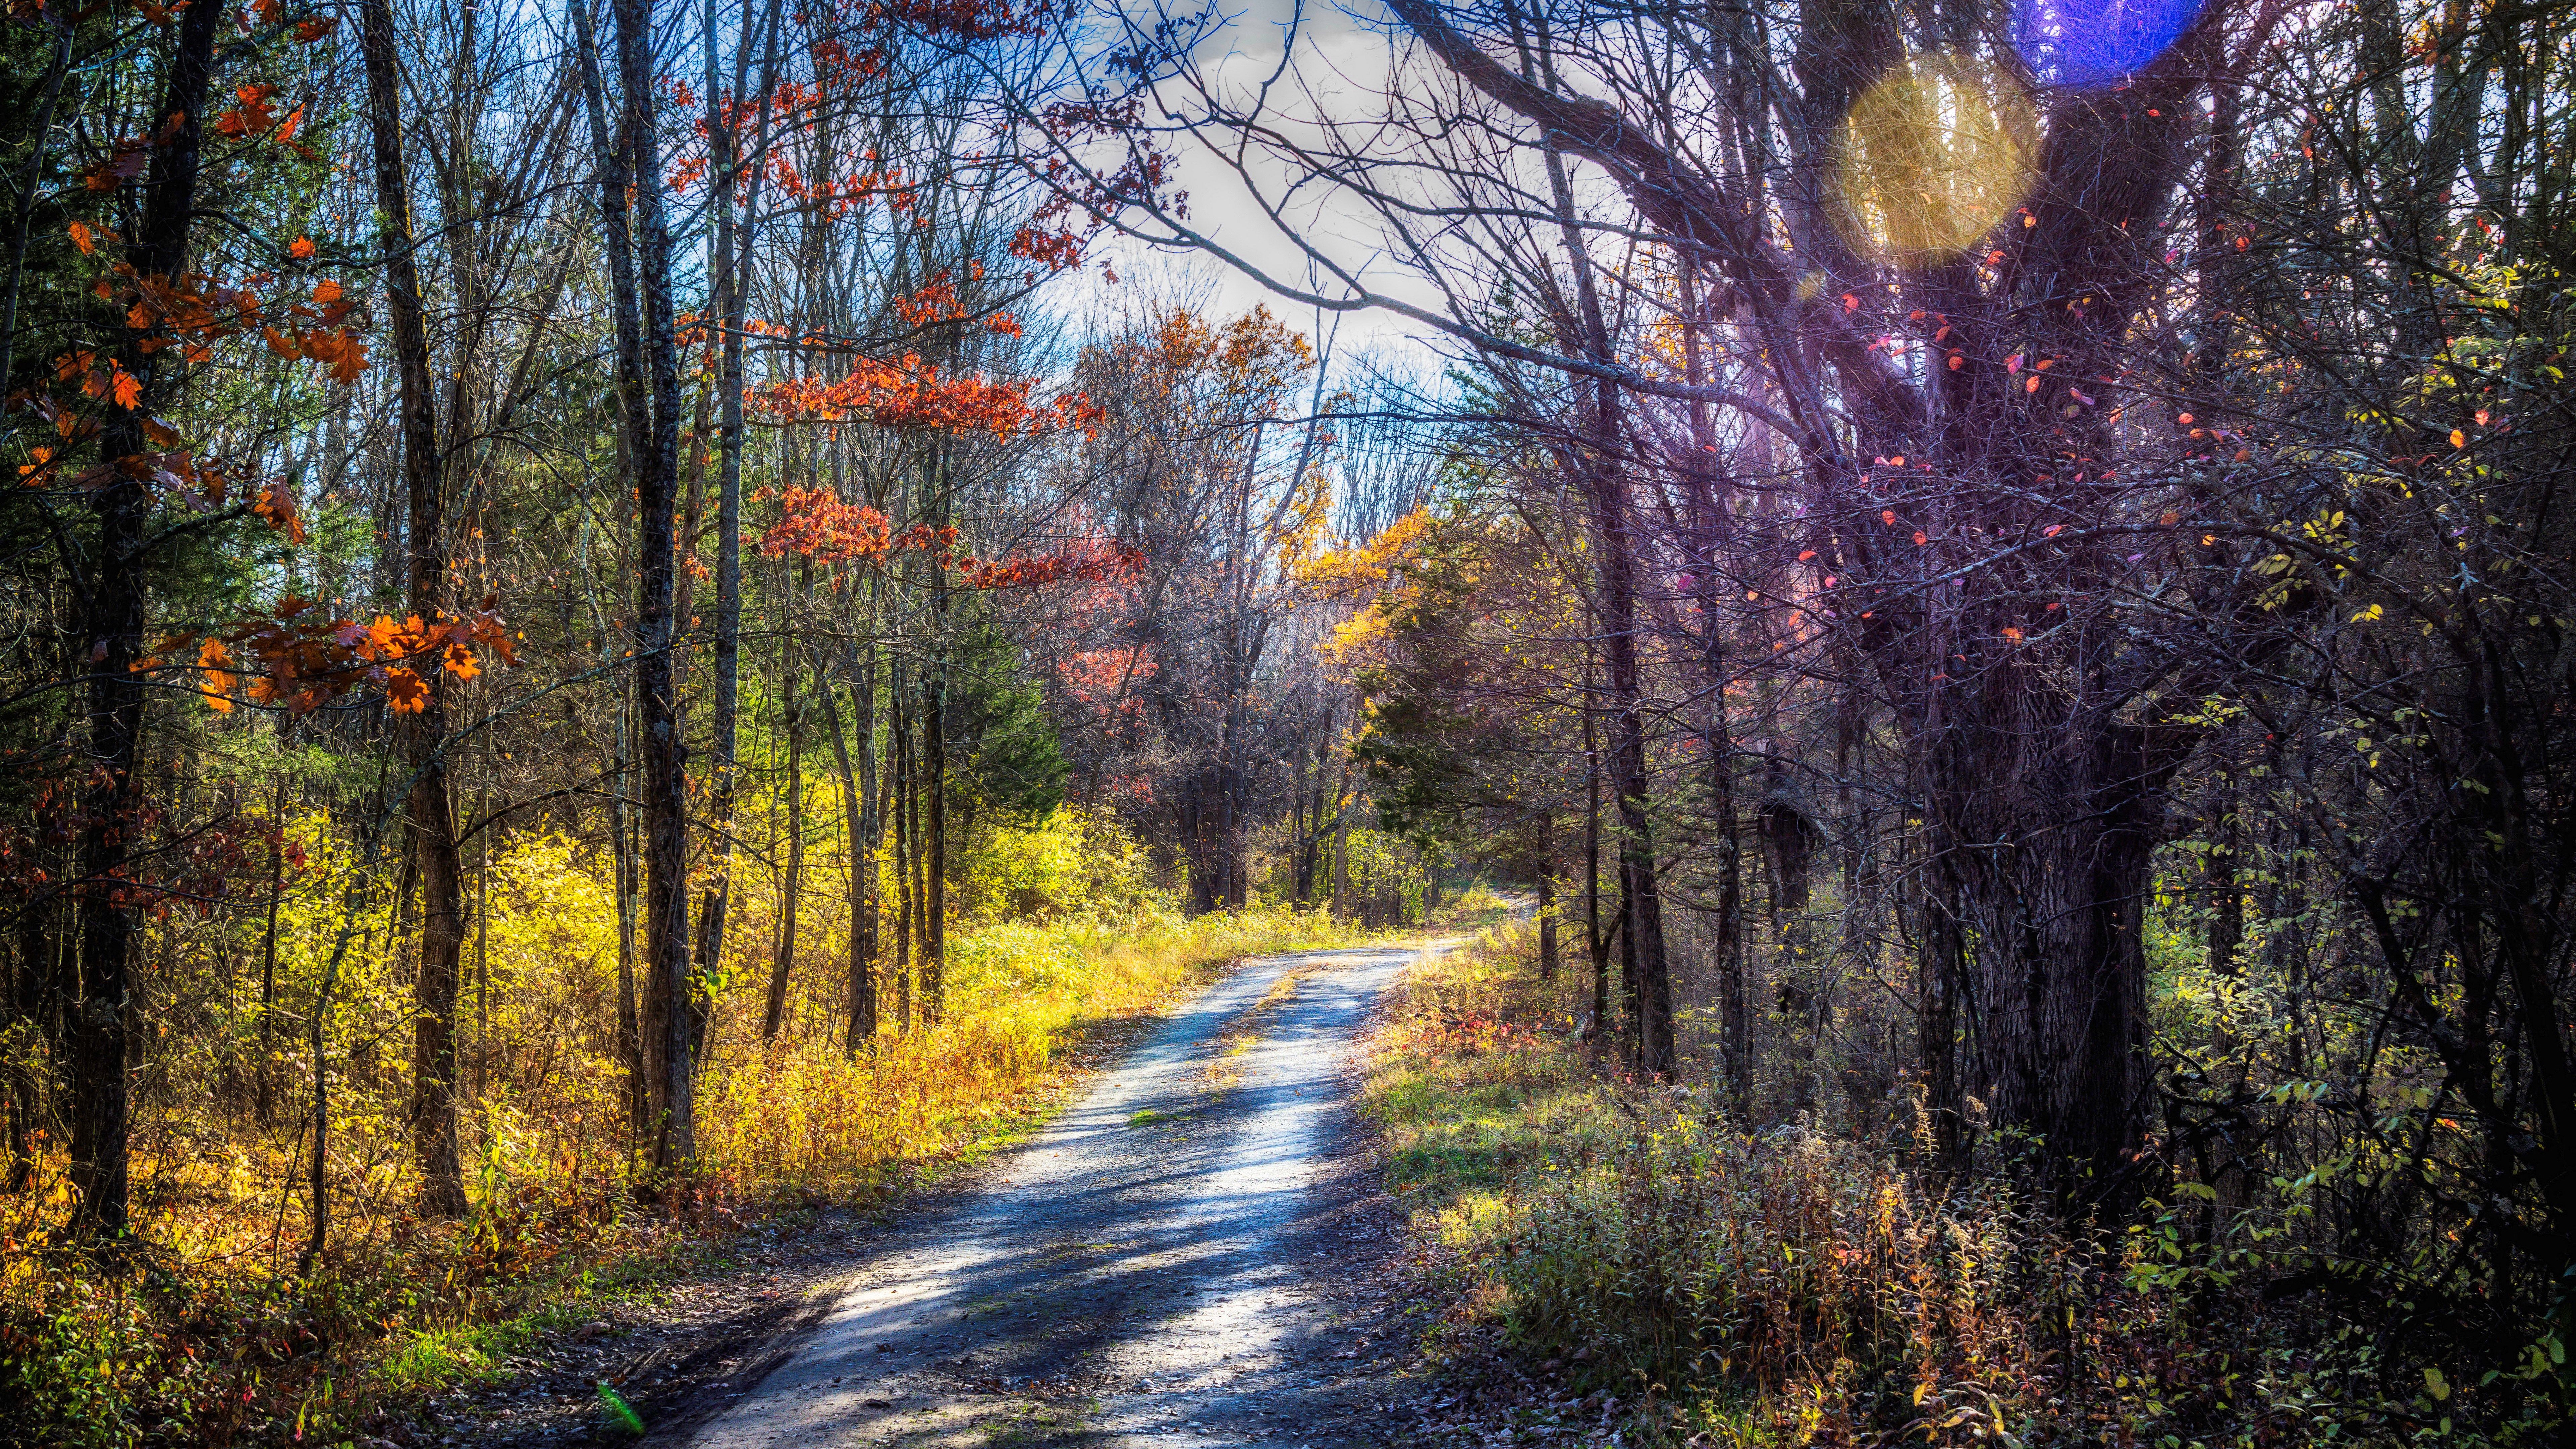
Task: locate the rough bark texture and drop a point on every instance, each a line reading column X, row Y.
column 626, row 310
column 868, row 829
column 666, row 1015
column 782, row 958
column 429, row 812
column 113, row 623
column 934, row 787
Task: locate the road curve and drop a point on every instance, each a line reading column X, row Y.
column 1139, row 1272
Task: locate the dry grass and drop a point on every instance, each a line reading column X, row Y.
column 1670, row 1273
column 214, row 1340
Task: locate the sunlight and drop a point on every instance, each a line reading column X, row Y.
column 1934, row 154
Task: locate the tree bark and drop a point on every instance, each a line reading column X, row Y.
column 867, row 830
column 782, row 961
column 907, row 835
column 113, row 626
column 1596, row 940
column 723, row 715
column 858, row 791
column 429, row 812
column 666, row 996
column 626, row 311
column 934, row 784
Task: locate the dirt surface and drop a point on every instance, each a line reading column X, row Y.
column 679, row 1355
column 1195, row 1252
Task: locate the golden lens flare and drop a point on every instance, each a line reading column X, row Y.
column 1934, row 154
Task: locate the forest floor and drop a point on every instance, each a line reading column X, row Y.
column 1197, row 1250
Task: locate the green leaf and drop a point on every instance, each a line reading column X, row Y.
column 2433, row 1381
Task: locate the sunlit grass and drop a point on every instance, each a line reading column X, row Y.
column 223, row 1339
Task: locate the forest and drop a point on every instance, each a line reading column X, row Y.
column 621, row 620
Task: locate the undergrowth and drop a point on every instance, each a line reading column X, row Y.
column 1679, row 1278
column 207, row 1335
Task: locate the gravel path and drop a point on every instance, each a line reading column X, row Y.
column 1144, row 1272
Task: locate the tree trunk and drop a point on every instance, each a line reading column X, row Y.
column 934, row 784
column 858, row 792
column 906, row 848
column 1937, row 974
column 667, row 1038
column 113, row 625
column 1596, row 939
column 783, row 959
column 726, row 705
column 1641, row 907
column 618, row 241
column 1605, row 488
column 626, row 310
column 429, row 813
column 630, row 1028
column 867, row 831
column 2046, row 823
column 732, row 265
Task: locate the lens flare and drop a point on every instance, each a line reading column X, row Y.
column 1934, row 154
column 2094, row 42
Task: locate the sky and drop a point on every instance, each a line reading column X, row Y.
column 1333, row 42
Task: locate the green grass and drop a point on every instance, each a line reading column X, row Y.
column 1480, row 1083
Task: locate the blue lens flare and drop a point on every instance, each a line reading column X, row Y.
column 2094, row 42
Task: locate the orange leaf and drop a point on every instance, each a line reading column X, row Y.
column 129, row 390
column 212, row 656
column 461, row 663
column 82, row 238
column 301, row 249
column 405, row 692
column 352, row 363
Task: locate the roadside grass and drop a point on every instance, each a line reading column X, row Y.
column 1479, row 1079
column 1655, row 1272
column 217, row 1341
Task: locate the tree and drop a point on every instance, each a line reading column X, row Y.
column 431, row 818
column 666, row 1024
column 119, row 566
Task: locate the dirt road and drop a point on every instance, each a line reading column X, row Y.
column 1145, row 1271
